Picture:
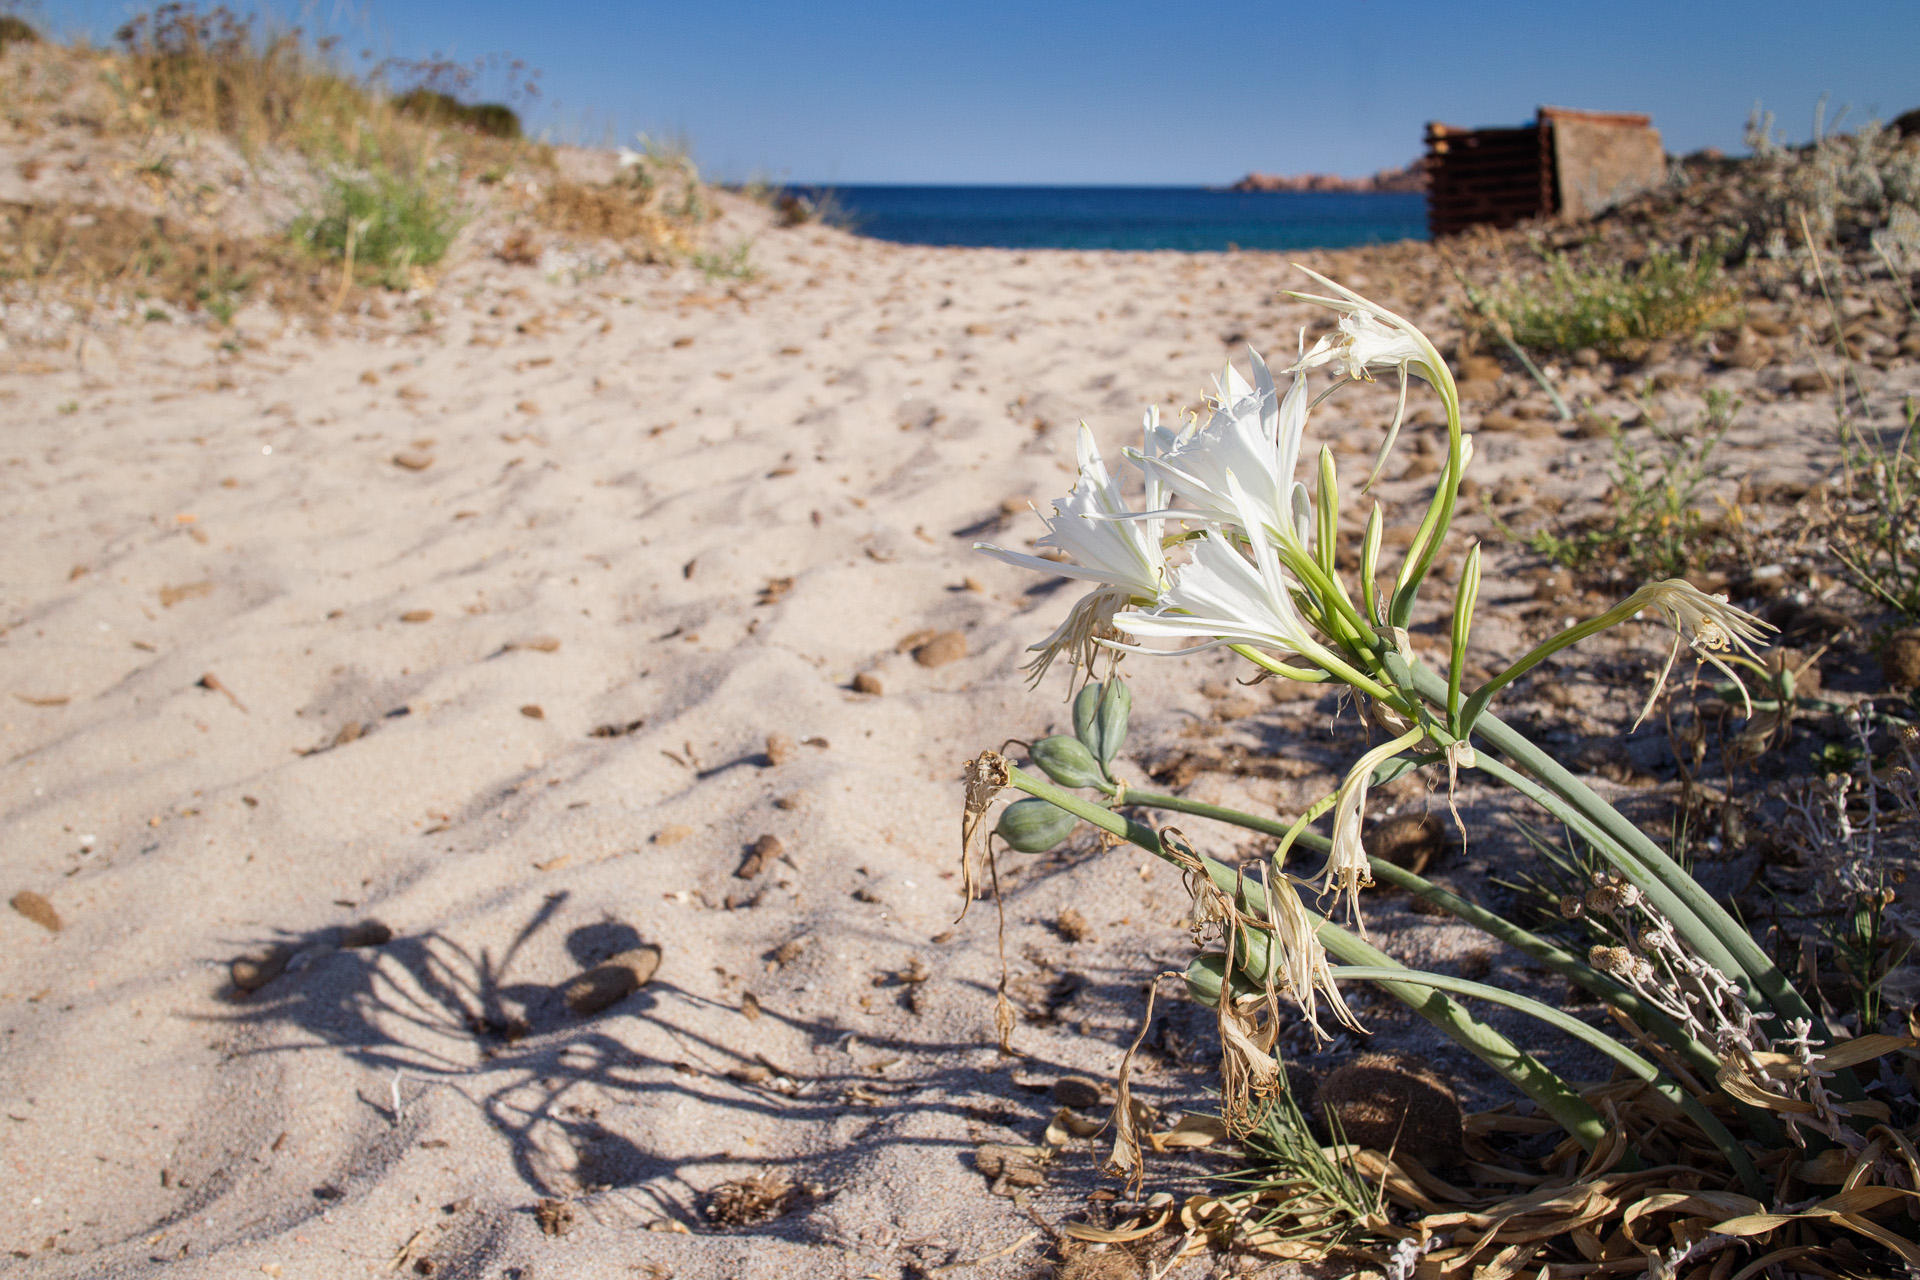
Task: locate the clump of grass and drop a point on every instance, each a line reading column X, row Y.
column 1607, row 308
column 727, row 264
column 652, row 207
column 382, row 225
column 215, row 70
column 1655, row 524
column 494, row 119
column 1873, row 524
column 89, row 256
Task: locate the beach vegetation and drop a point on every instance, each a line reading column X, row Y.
column 382, row 226
column 1737, row 1119
column 1658, row 518
column 1607, row 307
column 1839, row 189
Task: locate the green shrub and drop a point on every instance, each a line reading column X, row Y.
column 491, row 119
column 1654, row 526
column 1612, row 310
column 383, row 225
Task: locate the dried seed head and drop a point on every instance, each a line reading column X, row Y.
column 1604, row 900
column 1617, row 961
column 1572, row 907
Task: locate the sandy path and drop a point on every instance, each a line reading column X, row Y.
column 653, row 501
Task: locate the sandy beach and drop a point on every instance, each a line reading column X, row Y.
column 559, row 617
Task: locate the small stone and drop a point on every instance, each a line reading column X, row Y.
column 1073, row 926
column 366, row 933
column 417, row 615
column 556, row 1217
column 940, row 649
column 413, row 459
column 605, row 985
column 763, row 851
column 867, row 682
column 36, row 908
column 1389, row 1103
column 1900, row 659
column 1813, row 382
column 1750, row 351
column 1484, row 368
column 1077, row 1092
column 533, row 711
column 250, row 973
column 1409, row 841
column 780, row 748
column 672, row 834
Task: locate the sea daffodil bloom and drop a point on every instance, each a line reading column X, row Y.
column 1372, row 337
column 1253, row 437
column 1120, row 555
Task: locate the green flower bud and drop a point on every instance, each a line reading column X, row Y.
column 1204, row 975
column 1110, row 722
column 1034, row 825
column 1066, row 760
column 1086, row 705
column 1207, row 969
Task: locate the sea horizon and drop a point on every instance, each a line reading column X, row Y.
column 1141, row 217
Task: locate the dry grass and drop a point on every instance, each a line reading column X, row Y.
column 114, row 259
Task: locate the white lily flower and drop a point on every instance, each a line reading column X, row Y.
column 1372, row 337
column 1121, row 555
column 1220, row 597
column 1253, row 437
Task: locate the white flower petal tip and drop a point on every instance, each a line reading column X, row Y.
column 1105, row 543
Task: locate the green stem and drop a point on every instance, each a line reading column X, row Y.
column 1524, row 1071
column 1710, row 1124
column 1521, row 1069
column 1569, row 966
column 1728, row 935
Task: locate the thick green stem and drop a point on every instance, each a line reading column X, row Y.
column 1563, row 962
column 1390, row 976
column 1521, row 1069
column 1728, row 935
column 1524, row 1071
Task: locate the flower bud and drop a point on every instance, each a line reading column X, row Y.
column 1066, row 760
column 1034, row 825
column 1204, row 976
column 1110, row 721
column 1086, row 705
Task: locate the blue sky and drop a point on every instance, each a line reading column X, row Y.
column 1131, row 91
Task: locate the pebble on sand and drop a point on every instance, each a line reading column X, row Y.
column 413, row 459
column 250, row 973
column 867, row 682
column 366, row 933
column 36, row 908
column 764, row 850
column 606, row 984
column 417, row 615
column 780, row 748
column 940, row 649
column 1900, row 659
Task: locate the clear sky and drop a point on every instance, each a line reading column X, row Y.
column 1131, row 91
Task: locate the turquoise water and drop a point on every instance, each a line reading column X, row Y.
column 1193, row 219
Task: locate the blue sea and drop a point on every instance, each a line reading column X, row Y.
column 1193, row 219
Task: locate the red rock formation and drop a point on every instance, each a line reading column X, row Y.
column 1410, row 177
